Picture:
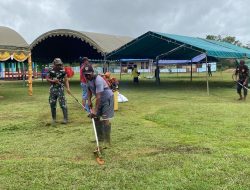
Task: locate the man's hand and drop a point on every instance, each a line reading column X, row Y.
column 56, row 81
column 244, row 83
column 92, row 115
column 68, row 91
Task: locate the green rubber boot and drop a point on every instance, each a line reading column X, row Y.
column 106, row 135
column 99, row 130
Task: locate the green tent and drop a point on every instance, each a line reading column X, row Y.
column 152, row 44
column 155, row 45
column 232, row 46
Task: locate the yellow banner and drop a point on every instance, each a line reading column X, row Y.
column 20, row 57
column 4, row 56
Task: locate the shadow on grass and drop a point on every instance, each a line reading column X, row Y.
column 175, row 85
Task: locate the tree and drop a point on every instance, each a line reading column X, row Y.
column 229, row 39
column 213, row 37
column 232, row 40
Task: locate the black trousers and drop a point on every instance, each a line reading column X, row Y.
column 136, row 80
column 239, row 87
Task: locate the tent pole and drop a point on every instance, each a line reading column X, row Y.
column 197, row 69
column 207, row 77
column 220, row 70
column 8, row 70
column 176, row 70
column 30, row 75
column 104, row 64
column 120, row 70
column 191, row 76
column 24, row 73
column 157, row 78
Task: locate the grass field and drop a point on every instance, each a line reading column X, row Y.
column 172, row 136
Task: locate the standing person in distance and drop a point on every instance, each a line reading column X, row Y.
column 157, row 74
column 85, row 61
column 135, row 74
column 209, row 70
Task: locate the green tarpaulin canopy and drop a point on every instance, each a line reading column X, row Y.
column 155, row 45
column 236, row 48
column 152, row 44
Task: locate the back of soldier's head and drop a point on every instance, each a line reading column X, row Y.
column 85, row 60
column 57, row 62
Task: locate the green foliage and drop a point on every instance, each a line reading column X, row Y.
column 224, row 64
column 171, row 136
column 213, row 37
column 229, row 39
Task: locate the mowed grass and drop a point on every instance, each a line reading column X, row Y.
column 171, row 136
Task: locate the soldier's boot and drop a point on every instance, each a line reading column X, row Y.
column 53, row 114
column 106, row 135
column 65, row 115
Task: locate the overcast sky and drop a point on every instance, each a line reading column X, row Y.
column 197, row 18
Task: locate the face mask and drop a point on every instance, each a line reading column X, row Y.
column 57, row 67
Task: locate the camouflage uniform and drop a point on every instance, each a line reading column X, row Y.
column 57, row 92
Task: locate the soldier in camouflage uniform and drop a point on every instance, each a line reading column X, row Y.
column 57, row 78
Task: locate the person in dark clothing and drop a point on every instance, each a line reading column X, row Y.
column 242, row 74
column 209, row 70
column 157, row 74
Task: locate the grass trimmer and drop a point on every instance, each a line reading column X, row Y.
column 239, row 83
column 97, row 151
column 243, row 86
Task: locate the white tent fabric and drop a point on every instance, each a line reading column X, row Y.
column 103, row 43
column 11, row 39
